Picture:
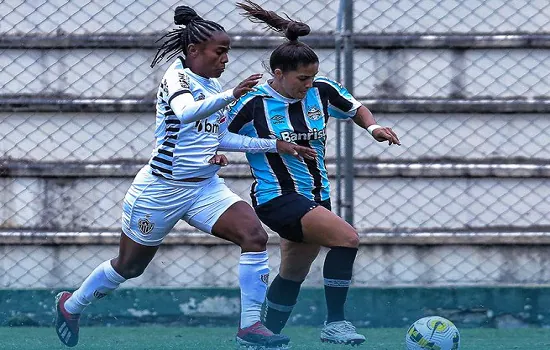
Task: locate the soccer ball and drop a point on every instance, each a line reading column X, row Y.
column 433, row 333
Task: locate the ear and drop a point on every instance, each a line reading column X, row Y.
column 192, row 50
column 278, row 73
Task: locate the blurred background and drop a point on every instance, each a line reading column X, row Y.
column 454, row 221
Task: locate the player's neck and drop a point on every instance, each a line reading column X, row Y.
column 277, row 88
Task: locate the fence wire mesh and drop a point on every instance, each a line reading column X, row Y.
column 77, row 120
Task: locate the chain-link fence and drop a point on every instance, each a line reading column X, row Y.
column 466, row 85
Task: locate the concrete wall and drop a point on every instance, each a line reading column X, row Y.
column 35, row 203
column 97, row 137
column 198, row 266
column 398, row 72
column 406, row 204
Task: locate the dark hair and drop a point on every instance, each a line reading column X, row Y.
column 195, row 31
column 291, row 54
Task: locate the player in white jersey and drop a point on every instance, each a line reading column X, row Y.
column 180, row 182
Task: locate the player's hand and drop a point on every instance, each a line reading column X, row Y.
column 246, row 85
column 295, row 150
column 219, row 159
column 385, row 134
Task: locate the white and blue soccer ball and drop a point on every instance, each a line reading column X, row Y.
column 432, row 333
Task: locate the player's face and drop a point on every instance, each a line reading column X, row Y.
column 212, row 55
column 296, row 83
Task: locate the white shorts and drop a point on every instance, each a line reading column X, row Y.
column 153, row 205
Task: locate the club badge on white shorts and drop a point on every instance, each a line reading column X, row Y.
column 145, row 225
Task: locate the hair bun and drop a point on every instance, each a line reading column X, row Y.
column 185, row 15
column 296, row 30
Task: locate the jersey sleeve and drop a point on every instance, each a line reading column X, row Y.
column 238, row 136
column 239, row 115
column 175, row 83
column 178, row 94
column 341, row 104
column 232, row 142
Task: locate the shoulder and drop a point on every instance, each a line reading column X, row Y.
column 176, row 67
column 176, row 71
column 248, row 100
column 324, row 82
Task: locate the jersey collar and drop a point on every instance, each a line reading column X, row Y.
column 277, row 95
column 202, row 80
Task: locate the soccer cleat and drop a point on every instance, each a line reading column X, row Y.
column 66, row 324
column 341, row 332
column 258, row 337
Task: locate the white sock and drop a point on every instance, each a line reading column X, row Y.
column 103, row 280
column 253, row 279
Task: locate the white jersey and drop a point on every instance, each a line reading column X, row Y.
column 191, row 126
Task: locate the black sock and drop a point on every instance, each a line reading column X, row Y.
column 337, row 273
column 281, row 298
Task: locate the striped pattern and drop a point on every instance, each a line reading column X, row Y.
column 329, row 282
column 181, row 148
column 265, row 113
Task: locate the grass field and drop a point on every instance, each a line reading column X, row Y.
column 154, row 337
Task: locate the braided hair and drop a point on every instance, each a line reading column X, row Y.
column 194, row 30
column 291, row 54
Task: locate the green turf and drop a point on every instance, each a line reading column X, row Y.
column 154, row 337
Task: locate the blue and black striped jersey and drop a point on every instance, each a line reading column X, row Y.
column 267, row 114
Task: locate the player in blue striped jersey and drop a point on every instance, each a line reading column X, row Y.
column 180, row 181
column 291, row 195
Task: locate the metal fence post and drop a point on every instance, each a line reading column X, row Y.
column 348, row 82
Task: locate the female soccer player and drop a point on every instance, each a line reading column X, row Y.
column 180, row 181
column 291, row 195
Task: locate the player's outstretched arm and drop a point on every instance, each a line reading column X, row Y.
column 365, row 119
column 189, row 111
column 232, row 142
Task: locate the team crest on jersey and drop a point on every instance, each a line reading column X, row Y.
column 184, row 80
column 278, row 119
column 200, row 97
column 314, row 113
column 145, row 225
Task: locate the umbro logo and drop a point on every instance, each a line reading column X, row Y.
column 278, row 119
column 265, row 278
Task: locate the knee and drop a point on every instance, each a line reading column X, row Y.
column 253, row 239
column 128, row 270
column 350, row 240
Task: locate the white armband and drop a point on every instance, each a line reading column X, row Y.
column 373, row 127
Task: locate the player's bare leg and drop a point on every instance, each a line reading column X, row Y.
column 239, row 224
column 296, row 260
column 131, row 261
column 325, row 228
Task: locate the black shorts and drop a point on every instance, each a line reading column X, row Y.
column 283, row 214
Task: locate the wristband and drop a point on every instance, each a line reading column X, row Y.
column 373, row 127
